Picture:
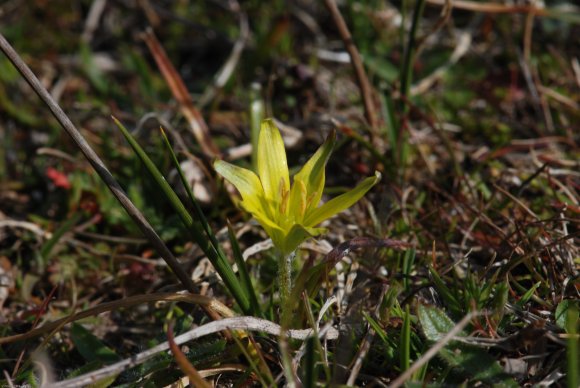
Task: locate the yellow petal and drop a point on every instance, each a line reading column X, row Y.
column 313, row 174
column 297, row 201
column 340, row 203
column 272, row 163
column 246, row 182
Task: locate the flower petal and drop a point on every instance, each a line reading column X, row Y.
column 247, row 184
column 340, row 203
column 297, row 201
column 313, row 174
column 272, row 163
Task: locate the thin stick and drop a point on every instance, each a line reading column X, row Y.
column 212, row 304
column 193, row 116
column 98, row 165
column 361, row 76
column 493, row 7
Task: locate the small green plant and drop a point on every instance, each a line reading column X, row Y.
column 288, row 213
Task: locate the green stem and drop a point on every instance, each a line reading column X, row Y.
column 285, row 280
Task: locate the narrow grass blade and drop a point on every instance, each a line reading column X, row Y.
column 528, row 295
column 309, row 379
column 49, row 245
column 244, row 275
column 391, row 125
column 448, row 296
column 408, row 261
column 245, row 281
column 257, row 363
column 213, row 252
column 405, row 342
column 196, row 208
column 407, row 66
column 572, row 345
column 317, row 344
column 376, row 327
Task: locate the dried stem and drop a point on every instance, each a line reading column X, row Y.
column 361, row 76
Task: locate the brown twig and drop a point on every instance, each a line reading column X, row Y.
column 190, row 112
column 39, row 314
column 208, row 303
column 194, row 376
column 492, row 7
column 361, row 76
column 98, row 165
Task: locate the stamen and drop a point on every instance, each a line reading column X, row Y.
column 284, row 194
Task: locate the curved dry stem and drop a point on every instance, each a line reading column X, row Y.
column 237, row 323
column 209, row 303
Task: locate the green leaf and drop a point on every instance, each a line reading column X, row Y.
column 528, row 295
column 245, row 279
column 469, row 360
column 296, row 236
column 49, row 245
column 444, row 291
column 405, row 342
column 435, row 322
column 376, row 327
column 90, row 347
column 562, row 311
column 89, row 367
column 573, row 359
column 408, row 261
column 309, row 364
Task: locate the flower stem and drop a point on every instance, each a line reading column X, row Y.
column 285, row 278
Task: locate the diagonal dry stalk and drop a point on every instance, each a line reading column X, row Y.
column 361, row 75
column 190, row 112
column 208, row 303
column 98, row 165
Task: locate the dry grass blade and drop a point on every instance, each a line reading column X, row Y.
column 361, row 76
column 192, row 115
column 183, row 362
column 237, row 323
column 210, row 303
column 344, row 248
column 97, row 164
column 492, row 7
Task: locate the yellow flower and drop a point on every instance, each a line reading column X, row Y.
column 289, row 214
